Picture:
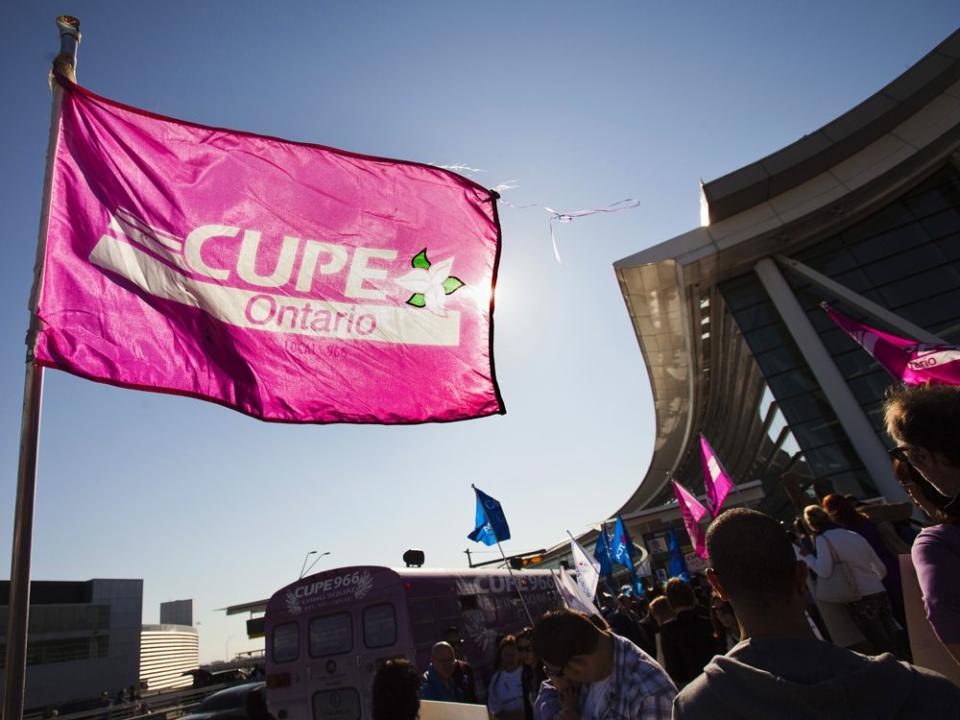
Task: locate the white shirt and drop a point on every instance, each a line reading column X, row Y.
column 506, row 691
column 849, row 547
column 596, row 699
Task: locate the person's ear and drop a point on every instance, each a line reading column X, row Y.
column 716, row 584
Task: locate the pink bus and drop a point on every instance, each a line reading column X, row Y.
column 327, row 633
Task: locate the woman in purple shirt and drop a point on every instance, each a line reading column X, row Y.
column 924, row 421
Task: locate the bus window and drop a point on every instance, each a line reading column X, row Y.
column 341, row 704
column 379, row 626
column 286, row 642
column 331, row 635
column 469, row 602
column 422, row 610
column 448, row 608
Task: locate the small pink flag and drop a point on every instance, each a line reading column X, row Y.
column 907, row 360
column 692, row 512
column 716, row 481
column 289, row 281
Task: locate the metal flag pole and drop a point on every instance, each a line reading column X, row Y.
column 506, row 562
column 19, row 607
column 516, row 584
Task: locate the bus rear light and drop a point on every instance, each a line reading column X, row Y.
column 278, row 680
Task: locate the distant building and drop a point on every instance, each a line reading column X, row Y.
column 176, row 612
column 167, row 652
column 84, row 638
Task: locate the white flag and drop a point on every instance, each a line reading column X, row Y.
column 644, row 569
column 588, row 569
column 572, row 595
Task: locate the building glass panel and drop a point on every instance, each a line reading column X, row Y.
column 905, row 257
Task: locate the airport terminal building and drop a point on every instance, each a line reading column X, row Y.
column 863, row 213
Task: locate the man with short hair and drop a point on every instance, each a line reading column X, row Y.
column 438, row 680
column 395, row 694
column 626, row 624
column 463, row 675
column 779, row 669
column 619, row 680
column 687, row 639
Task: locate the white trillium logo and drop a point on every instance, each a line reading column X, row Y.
column 363, row 585
column 430, row 283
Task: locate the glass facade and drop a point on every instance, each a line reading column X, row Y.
column 906, row 258
column 87, row 628
column 67, row 649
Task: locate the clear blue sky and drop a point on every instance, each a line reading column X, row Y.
column 583, row 104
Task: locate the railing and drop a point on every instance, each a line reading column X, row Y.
column 162, row 706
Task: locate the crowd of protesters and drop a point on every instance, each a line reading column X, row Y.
column 802, row 621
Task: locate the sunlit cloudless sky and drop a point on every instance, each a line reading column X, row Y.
column 582, row 104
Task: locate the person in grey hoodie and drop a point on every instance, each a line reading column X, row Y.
column 779, row 669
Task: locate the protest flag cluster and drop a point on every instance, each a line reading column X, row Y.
column 717, row 483
column 620, row 550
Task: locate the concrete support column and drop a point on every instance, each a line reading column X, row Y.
column 832, row 287
column 872, row 452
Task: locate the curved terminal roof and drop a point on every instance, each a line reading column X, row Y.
column 703, row 377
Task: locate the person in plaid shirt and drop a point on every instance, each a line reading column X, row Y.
column 619, row 680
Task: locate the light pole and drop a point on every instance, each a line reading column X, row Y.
column 226, row 650
column 304, row 570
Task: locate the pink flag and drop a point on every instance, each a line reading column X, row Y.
column 692, row 513
column 289, row 281
column 907, row 360
column 716, row 481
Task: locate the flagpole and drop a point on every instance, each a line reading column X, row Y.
column 19, row 605
column 506, row 562
column 515, row 583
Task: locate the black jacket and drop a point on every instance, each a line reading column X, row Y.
column 688, row 645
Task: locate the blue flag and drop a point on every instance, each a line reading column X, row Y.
column 622, row 549
column 490, row 525
column 676, row 565
column 602, row 553
column 641, row 590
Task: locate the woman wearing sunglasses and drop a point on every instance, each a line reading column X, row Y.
column 533, row 675
column 924, row 421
